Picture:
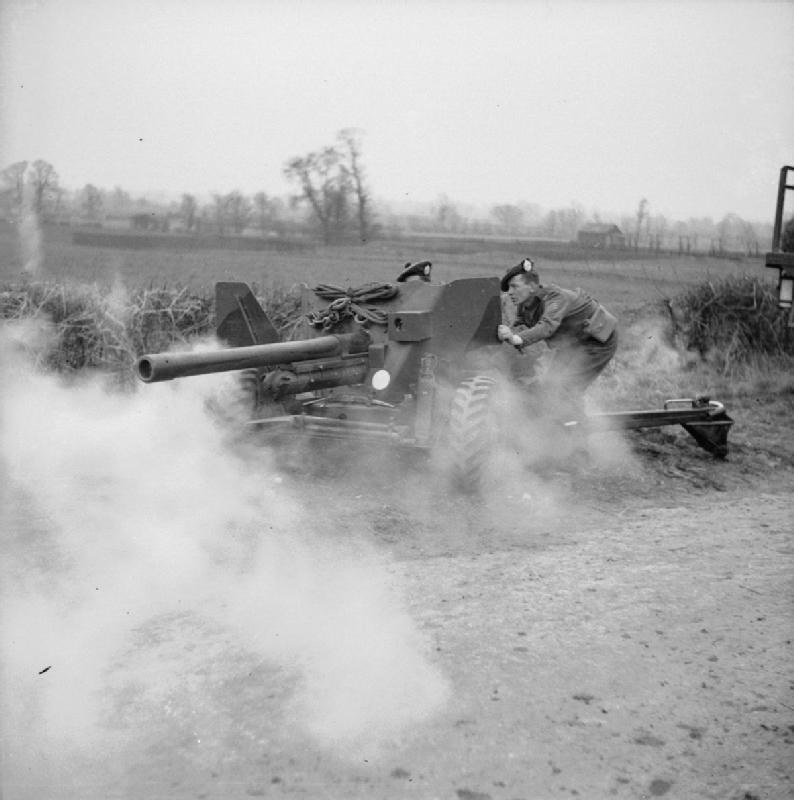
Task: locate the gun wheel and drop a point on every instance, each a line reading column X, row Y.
column 471, row 431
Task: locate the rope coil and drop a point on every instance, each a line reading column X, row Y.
column 348, row 303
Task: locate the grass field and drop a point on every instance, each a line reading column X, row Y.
column 625, row 285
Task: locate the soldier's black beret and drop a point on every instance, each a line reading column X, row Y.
column 524, row 267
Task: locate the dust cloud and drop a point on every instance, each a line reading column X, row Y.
column 131, row 526
column 652, row 354
column 536, row 449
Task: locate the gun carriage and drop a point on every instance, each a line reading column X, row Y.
column 412, row 364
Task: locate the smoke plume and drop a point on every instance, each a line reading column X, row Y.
column 139, row 549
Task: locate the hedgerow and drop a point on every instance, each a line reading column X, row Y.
column 732, row 321
column 729, row 322
column 108, row 330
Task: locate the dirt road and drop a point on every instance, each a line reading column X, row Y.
column 632, row 639
column 646, row 657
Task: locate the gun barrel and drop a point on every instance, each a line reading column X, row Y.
column 166, row 366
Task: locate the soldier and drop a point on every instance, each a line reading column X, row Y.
column 581, row 333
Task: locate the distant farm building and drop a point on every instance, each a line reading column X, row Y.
column 601, row 235
column 150, row 222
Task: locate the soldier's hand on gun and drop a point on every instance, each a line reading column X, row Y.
column 504, row 333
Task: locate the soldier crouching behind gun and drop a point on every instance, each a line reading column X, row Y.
column 581, row 333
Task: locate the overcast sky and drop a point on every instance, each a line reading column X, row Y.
column 689, row 104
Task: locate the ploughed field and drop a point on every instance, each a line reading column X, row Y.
column 187, row 619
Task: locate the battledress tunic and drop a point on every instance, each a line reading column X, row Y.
column 558, row 316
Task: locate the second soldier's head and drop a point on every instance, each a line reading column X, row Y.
column 521, row 281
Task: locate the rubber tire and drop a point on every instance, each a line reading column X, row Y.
column 471, row 432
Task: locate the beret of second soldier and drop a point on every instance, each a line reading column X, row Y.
column 524, row 267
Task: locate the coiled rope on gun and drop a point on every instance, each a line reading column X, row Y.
column 348, row 303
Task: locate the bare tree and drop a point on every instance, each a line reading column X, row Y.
column 735, row 233
column 325, row 185
column 44, row 182
column 751, row 239
column 532, row 214
column 266, row 212
column 92, row 202
column 681, row 232
column 447, row 216
column 188, row 209
column 659, row 226
column 59, row 195
column 551, row 223
column 510, row 217
column 642, row 214
column 350, row 142
column 563, row 223
column 118, row 201
column 12, row 186
column 219, row 212
column 238, row 210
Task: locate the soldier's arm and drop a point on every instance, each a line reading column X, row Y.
column 554, row 311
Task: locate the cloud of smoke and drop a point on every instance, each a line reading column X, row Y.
column 652, row 350
column 647, row 370
column 122, row 511
column 649, row 360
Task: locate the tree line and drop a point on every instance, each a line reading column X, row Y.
column 333, row 200
column 642, row 229
column 334, row 203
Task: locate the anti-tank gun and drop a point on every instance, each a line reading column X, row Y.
column 414, row 364
column 402, row 363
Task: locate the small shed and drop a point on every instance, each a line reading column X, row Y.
column 600, row 235
column 150, row 221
